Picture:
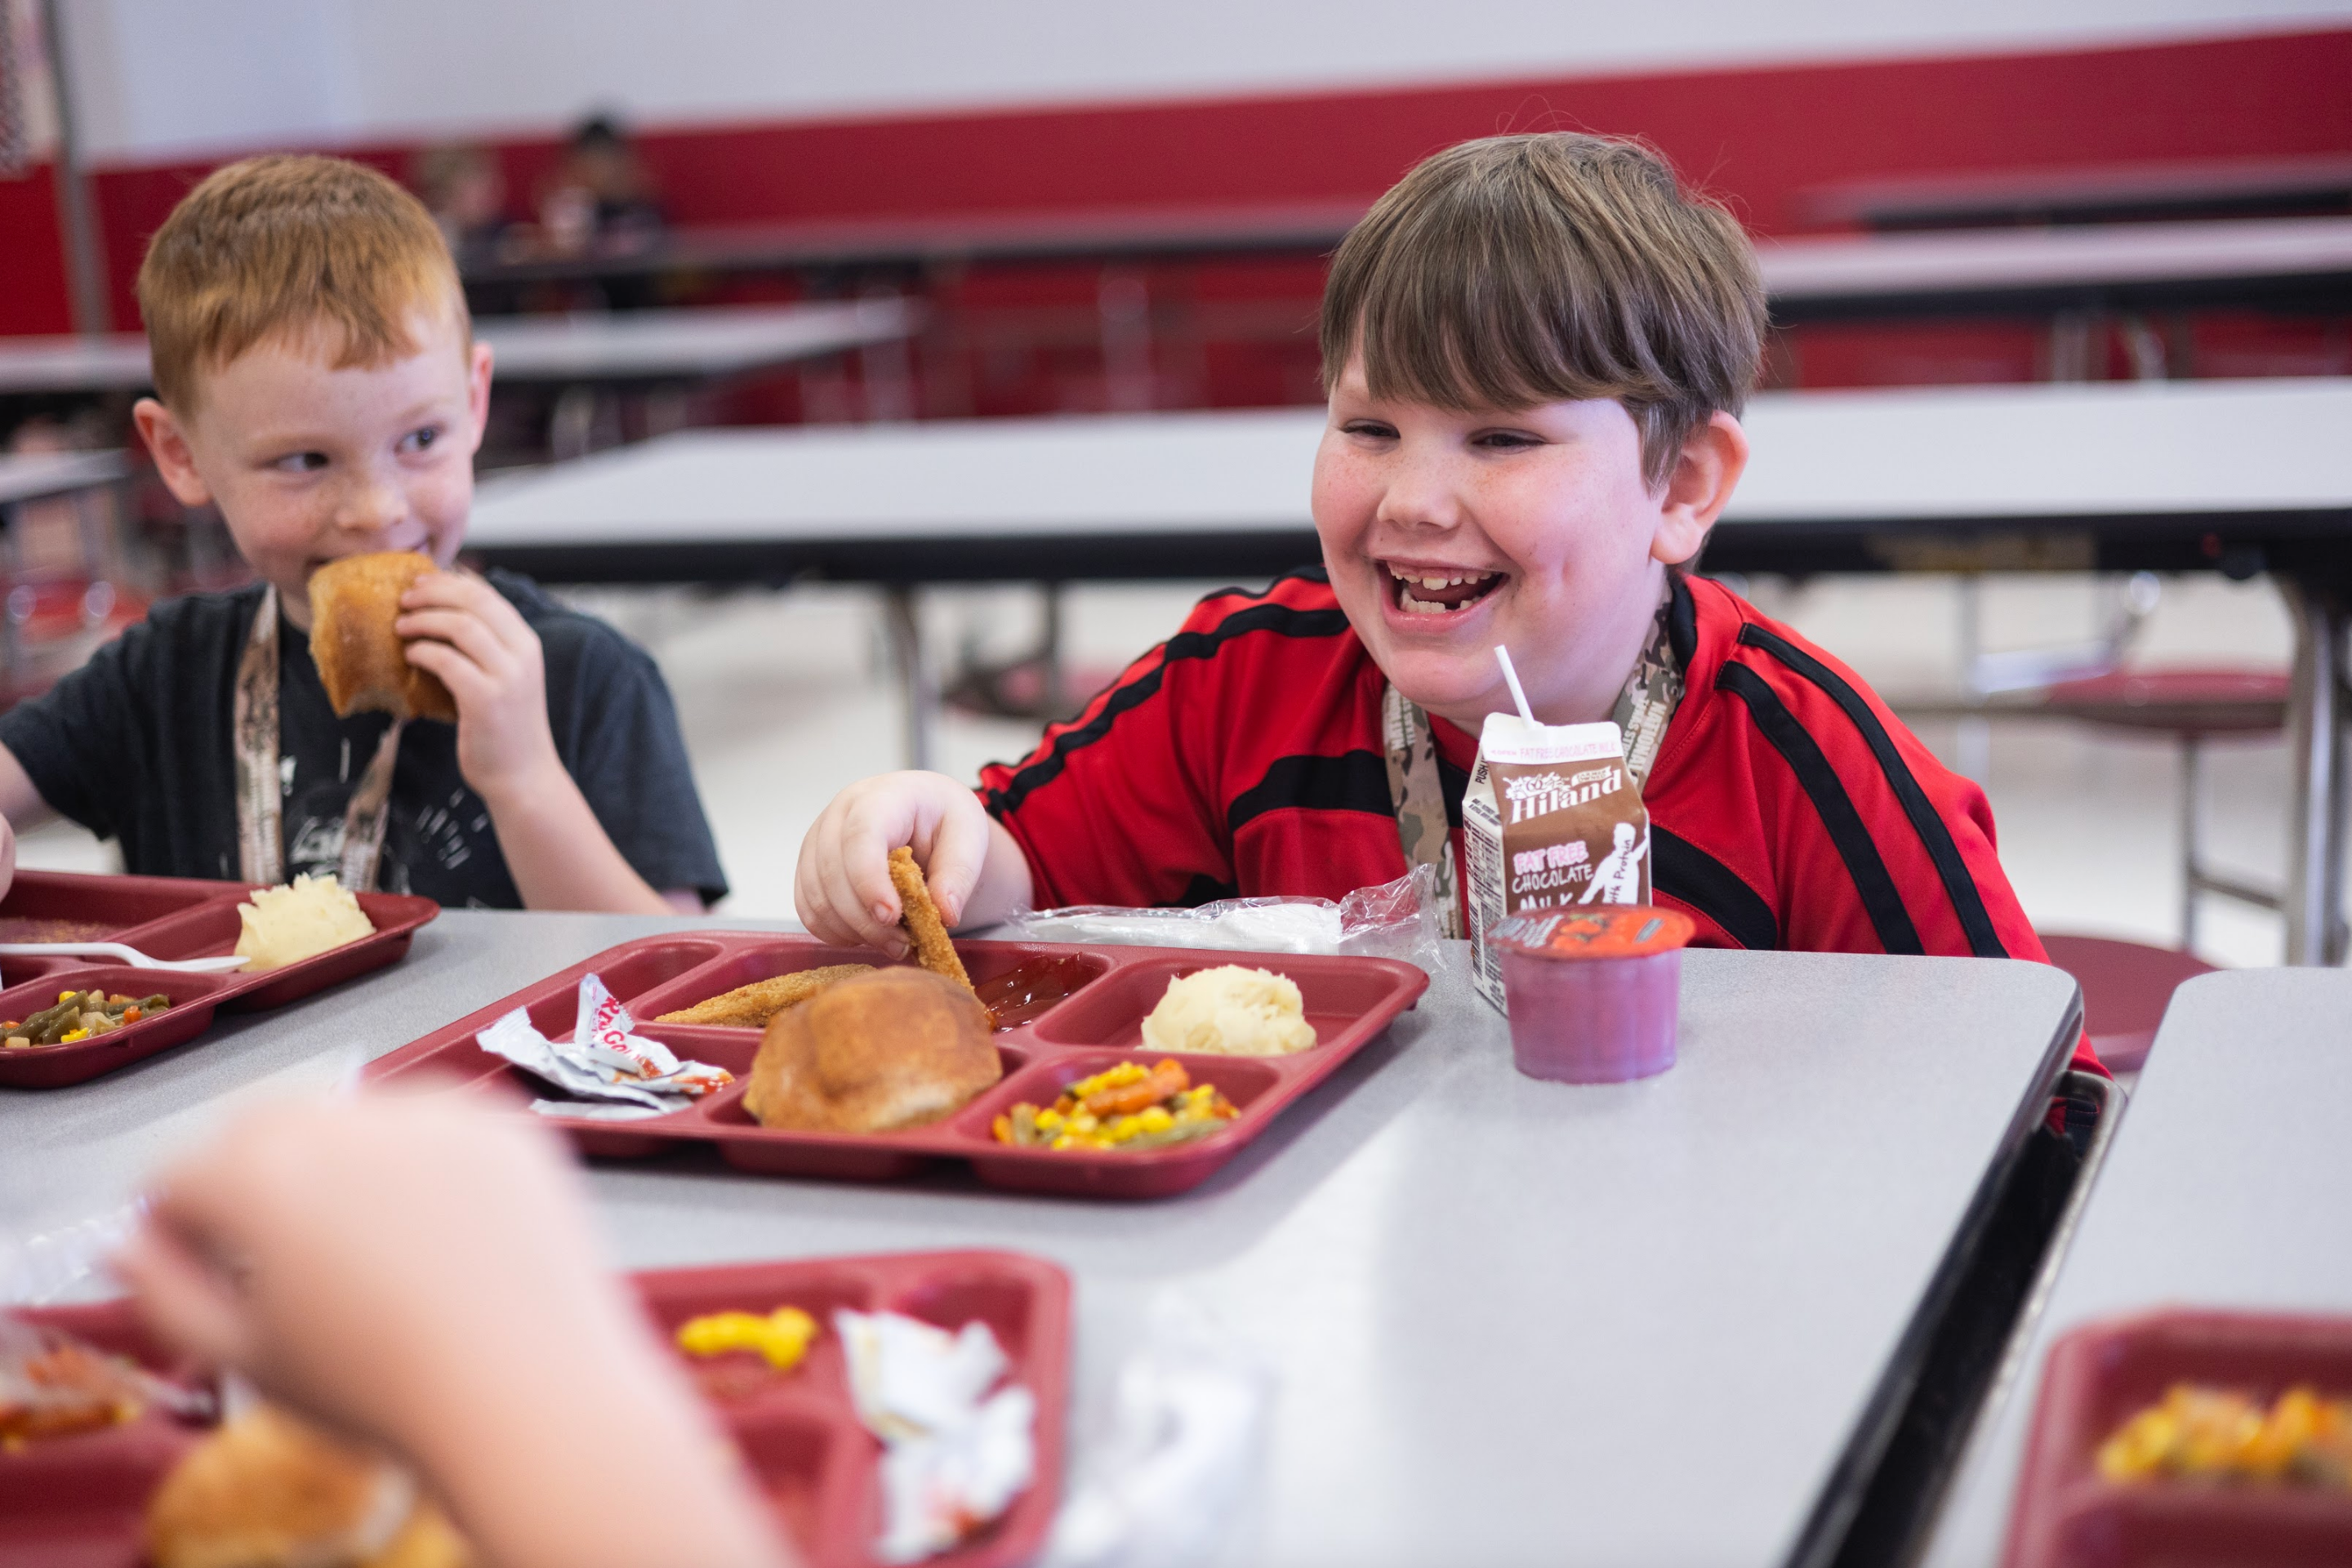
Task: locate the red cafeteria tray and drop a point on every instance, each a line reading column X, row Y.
column 1348, row 1000
column 77, row 1502
column 2098, row 1376
column 162, row 917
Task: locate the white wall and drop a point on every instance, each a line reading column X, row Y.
column 158, row 78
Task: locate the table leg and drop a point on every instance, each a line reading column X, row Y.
column 1054, row 693
column 2314, row 756
column 916, row 686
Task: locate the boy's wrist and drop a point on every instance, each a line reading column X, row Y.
column 524, row 788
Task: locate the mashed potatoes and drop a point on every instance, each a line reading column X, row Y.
column 1230, row 1012
column 286, row 925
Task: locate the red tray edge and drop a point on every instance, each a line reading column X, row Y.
column 2051, row 1488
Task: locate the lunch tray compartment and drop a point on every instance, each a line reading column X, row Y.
column 2097, row 1377
column 162, row 917
column 1348, row 1000
column 79, row 1501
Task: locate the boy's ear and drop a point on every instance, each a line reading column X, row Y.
column 1700, row 487
column 167, row 441
column 477, row 393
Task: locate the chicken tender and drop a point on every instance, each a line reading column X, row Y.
column 920, row 919
column 750, row 1006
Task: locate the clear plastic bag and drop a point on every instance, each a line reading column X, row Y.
column 1395, row 919
column 1171, row 1471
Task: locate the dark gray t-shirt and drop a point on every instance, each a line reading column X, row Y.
column 137, row 745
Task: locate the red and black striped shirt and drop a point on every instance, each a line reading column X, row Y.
column 1788, row 808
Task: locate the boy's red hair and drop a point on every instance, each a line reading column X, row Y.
column 282, row 245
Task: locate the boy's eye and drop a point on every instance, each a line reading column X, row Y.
column 302, row 462
column 1505, row 440
column 419, row 440
column 1373, row 428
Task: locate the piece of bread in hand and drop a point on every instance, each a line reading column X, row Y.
column 362, row 661
column 267, row 1490
column 897, row 1047
column 919, row 917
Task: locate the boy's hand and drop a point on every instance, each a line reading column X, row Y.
column 843, row 887
column 422, row 1272
column 486, row 655
column 356, row 1258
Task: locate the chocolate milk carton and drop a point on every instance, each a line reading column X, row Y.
column 1553, row 818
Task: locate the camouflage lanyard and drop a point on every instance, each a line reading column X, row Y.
column 260, row 789
column 1644, row 707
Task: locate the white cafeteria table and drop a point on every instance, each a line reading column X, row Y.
column 1509, row 1322
column 585, row 350
column 2234, row 477
column 2222, row 1189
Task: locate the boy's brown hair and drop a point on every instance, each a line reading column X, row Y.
column 1516, row 271
column 283, row 245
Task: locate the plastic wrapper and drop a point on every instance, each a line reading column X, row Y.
column 617, row 1073
column 1394, row 920
column 52, row 1384
column 956, row 1454
column 1173, row 1472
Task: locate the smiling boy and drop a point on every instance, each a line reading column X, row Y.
column 1535, row 349
column 318, row 382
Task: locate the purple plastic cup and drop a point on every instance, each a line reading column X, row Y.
column 1592, row 992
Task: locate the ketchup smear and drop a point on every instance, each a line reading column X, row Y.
column 1022, row 994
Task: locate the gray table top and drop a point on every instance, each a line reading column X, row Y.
column 1843, row 267
column 636, row 345
column 38, row 476
column 1937, row 456
column 2217, row 1191
column 1510, row 1321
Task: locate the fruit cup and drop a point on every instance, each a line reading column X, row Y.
column 1592, row 992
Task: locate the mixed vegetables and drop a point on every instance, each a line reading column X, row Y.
column 1128, row 1107
column 2221, row 1435
column 79, row 1015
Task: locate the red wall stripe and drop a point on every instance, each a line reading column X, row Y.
column 1759, row 136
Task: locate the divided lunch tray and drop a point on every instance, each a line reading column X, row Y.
column 2099, row 1376
column 162, row 917
column 79, row 1501
column 1348, row 1000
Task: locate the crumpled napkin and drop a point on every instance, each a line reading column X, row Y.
column 616, row 1073
column 954, row 1460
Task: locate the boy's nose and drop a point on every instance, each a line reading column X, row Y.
column 1420, row 493
column 370, row 506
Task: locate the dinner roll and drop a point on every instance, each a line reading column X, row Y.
column 895, row 1047
column 363, row 664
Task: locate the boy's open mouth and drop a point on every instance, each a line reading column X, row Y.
column 1431, row 590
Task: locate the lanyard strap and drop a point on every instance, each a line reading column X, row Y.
column 1420, row 801
column 1644, row 707
column 260, row 791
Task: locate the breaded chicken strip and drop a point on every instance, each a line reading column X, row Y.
column 750, row 1006
column 920, row 919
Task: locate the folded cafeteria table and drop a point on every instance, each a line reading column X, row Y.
column 1508, row 1321
column 597, row 349
column 2291, row 262
column 2219, row 1191
column 2233, row 477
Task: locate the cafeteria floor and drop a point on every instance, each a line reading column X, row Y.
column 786, row 697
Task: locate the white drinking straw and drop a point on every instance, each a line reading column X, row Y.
column 1519, row 692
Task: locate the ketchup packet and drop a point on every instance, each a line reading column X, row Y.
column 1553, row 818
column 614, row 1073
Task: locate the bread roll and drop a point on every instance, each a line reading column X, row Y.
column 363, row 664
column 897, row 1047
column 267, row 1491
